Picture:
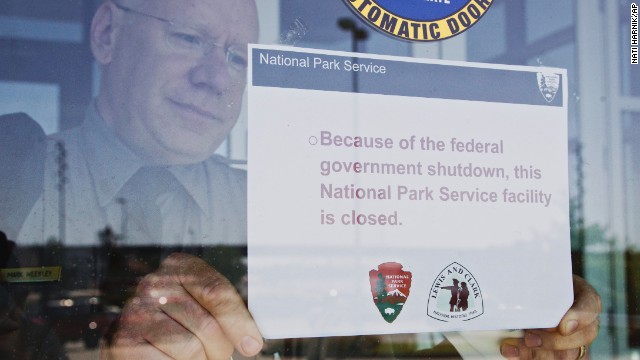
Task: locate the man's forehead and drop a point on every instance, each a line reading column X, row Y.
column 237, row 15
column 201, row 8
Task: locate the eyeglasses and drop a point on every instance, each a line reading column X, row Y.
column 190, row 42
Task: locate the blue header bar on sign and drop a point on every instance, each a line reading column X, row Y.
column 314, row 71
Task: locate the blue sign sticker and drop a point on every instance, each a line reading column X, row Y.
column 420, row 20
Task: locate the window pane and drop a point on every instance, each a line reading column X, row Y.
column 544, row 17
column 492, row 26
column 102, row 266
column 41, row 101
column 631, row 138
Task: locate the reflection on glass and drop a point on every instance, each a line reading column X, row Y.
column 41, row 101
column 103, row 264
column 545, row 17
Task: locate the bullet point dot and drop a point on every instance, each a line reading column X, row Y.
column 313, row 140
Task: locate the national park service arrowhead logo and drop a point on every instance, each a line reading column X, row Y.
column 455, row 295
column 390, row 287
column 548, row 85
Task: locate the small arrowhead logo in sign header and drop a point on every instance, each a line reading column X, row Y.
column 390, row 287
column 548, row 85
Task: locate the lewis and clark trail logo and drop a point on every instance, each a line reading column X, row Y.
column 420, row 20
column 455, row 295
column 390, row 287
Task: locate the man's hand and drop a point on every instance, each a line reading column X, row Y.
column 578, row 327
column 185, row 310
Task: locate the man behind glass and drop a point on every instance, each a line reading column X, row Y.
column 173, row 75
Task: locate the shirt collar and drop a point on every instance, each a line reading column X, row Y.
column 195, row 180
column 112, row 164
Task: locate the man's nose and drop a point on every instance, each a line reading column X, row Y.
column 212, row 72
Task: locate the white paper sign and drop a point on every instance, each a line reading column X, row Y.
column 401, row 195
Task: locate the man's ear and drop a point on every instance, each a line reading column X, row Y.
column 103, row 31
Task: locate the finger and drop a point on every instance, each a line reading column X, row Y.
column 585, row 310
column 556, row 355
column 194, row 332
column 128, row 342
column 519, row 350
column 515, row 349
column 174, row 340
column 509, row 351
column 541, row 355
column 197, row 321
column 556, row 341
column 219, row 297
column 122, row 351
column 143, row 324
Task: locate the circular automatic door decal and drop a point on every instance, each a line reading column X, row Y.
column 420, row 20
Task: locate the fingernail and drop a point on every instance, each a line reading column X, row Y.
column 532, row 340
column 571, row 326
column 510, row 351
column 250, row 345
